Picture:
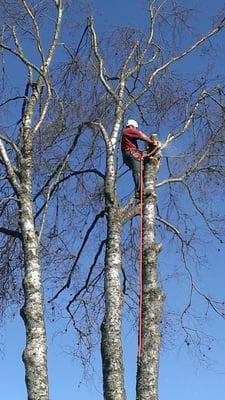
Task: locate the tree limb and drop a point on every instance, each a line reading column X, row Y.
column 10, row 232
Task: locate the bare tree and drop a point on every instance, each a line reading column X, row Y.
column 17, row 154
column 37, row 177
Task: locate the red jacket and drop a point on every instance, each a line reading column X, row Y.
column 129, row 139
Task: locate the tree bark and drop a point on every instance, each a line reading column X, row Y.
column 32, row 312
column 111, row 348
column 152, row 301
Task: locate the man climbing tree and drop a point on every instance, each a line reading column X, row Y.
column 131, row 153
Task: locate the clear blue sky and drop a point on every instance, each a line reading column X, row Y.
column 181, row 375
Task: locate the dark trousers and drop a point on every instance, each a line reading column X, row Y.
column 134, row 165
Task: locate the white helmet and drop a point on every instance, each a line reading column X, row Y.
column 132, row 122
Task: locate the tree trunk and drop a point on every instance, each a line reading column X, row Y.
column 152, row 302
column 35, row 352
column 32, row 312
column 111, row 348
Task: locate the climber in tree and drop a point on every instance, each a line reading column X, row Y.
column 131, row 153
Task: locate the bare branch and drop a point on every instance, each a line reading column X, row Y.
column 127, row 214
column 203, row 39
column 19, row 48
column 216, row 306
column 36, row 29
column 87, row 281
column 90, row 229
column 12, row 144
column 153, row 14
column 171, row 227
column 213, row 232
column 50, row 189
column 12, row 99
column 105, row 135
column 9, row 168
column 178, row 179
column 10, row 232
column 100, row 60
column 62, row 162
column 59, row 5
column 174, row 136
column 23, row 59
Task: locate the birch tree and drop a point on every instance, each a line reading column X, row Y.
column 40, row 130
column 17, row 155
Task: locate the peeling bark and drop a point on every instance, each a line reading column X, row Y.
column 148, row 364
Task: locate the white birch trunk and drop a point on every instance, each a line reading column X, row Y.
column 32, row 312
column 148, row 364
column 111, row 347
column 35, row 352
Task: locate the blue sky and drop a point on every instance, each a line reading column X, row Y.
column 182, row 376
